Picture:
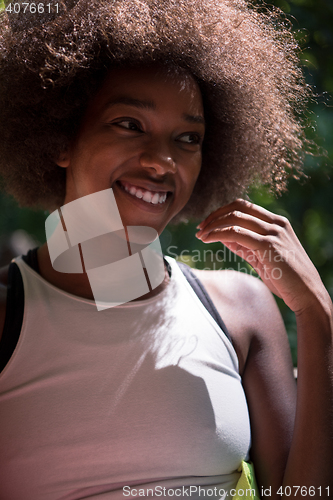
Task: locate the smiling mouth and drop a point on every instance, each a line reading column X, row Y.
column 151, row 197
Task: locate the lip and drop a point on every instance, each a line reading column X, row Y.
column 143, row 205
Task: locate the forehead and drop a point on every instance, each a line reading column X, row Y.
column 157, row 85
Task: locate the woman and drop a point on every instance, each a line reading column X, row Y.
column 161, row 101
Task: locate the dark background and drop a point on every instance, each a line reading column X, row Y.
column 307, row 204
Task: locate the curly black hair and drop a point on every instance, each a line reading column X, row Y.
column 244, row 58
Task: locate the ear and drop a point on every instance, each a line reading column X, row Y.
column 63, row 160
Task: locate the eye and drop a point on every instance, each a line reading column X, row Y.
column 190, row 138
column 128, row 124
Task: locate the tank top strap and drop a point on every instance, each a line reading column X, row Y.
column 15, row 303
column 202, row 294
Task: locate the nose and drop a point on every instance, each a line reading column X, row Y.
column 158, row 157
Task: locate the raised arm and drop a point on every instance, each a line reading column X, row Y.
column 269, row 244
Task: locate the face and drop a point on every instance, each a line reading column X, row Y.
column 142, row 136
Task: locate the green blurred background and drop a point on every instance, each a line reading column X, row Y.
column 308, row 204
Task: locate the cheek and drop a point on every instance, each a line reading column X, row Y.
column 190, row 178
column 195, row 170
column 95, row 161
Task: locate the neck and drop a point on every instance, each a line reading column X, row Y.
column 78, row 284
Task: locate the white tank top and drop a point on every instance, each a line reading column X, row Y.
column 122, row 402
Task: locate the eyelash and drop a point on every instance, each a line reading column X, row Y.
column 198, row 138
column 131, row 121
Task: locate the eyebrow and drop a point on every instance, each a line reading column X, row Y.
column 193, row 118
column 130, row 101
column 150, row 105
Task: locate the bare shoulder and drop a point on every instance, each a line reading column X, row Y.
column 235, row 287
column 248, row 309
column 3, row 296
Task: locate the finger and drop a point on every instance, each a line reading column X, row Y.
column 239, row 219
column 246, row 207
column 236, row 234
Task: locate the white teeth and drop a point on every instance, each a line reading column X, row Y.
column 146, row 196
column 155, row 199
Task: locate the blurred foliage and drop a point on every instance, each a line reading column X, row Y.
column 12, row 218
column 308, row 204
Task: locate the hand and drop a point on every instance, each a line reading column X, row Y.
column 268, row 243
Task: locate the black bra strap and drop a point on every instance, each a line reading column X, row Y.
column 202, row 294
column 32, row 260
column 14, row 315
column 15, row 307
